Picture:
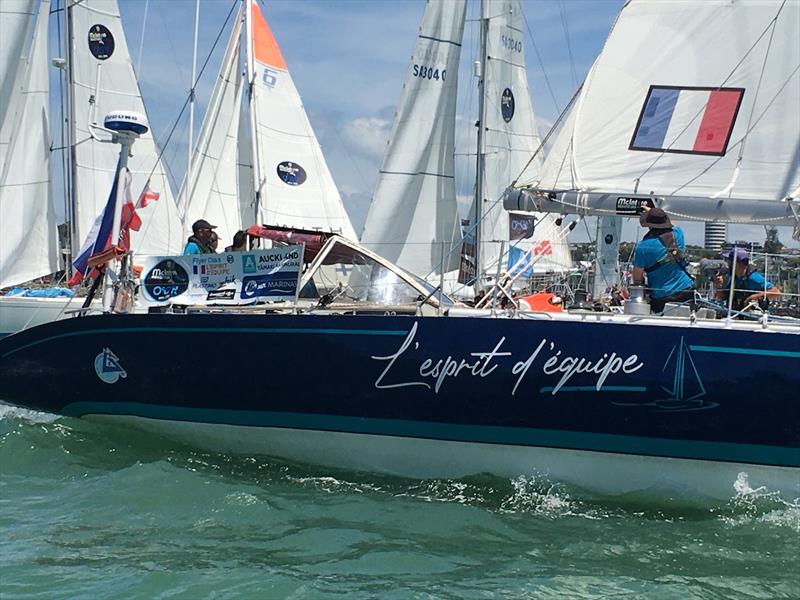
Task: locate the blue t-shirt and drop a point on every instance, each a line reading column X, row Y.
column 754, row 282
column 192, row 248
column 669, row 278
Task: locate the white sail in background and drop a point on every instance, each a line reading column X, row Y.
column 213, row 192
column 696, row 102
column 17, row 18
column 295, row 187
column 27, row 218
column 103, row 80
column 511, row 138
column 414, row 210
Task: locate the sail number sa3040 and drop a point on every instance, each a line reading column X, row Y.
column 425, row 72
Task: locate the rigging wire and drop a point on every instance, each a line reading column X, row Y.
column 563, row 11
column 141, row 40
column 185, row 105
column 541, row 62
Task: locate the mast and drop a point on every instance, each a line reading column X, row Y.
column 190, row 150
column 73, row 245
column 251, row 87
column 481, row 151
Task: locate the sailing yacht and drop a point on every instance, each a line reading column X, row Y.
column 413, row 219
column 368, row 368
column 100, row 78
column 259, row 161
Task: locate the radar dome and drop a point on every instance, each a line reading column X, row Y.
column 126, row 120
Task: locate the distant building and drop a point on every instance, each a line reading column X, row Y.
column 716, row 235
column 755, row 247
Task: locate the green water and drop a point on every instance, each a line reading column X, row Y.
column 98, row 511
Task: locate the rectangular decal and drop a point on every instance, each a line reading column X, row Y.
column 687, row 120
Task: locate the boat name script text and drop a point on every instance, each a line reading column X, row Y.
column 546, row 357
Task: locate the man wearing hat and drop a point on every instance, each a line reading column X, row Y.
column 199, row 241
column 661, row 254
column 749, row 285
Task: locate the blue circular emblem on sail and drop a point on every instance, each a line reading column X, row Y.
column 291, row 173
column 507, row 105
column 166, row 280
column 101, row 42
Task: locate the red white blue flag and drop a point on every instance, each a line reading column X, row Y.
column 99, row 238
column 687, row 120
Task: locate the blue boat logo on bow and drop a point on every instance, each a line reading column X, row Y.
column 107, row 367
column 687, row 389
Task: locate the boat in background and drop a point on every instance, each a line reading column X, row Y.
column 260, row 161
column 100, row 78
column 28, row 237
column 413, row 219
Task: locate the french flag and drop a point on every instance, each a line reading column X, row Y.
column 99, row 236
column 687, row 120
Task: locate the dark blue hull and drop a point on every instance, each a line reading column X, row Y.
column 671, row 392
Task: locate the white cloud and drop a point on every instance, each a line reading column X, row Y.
column 367, row 135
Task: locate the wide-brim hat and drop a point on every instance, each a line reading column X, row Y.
column 655, row 218
column 202, row 224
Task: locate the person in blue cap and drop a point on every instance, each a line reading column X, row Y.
column 749, row 286
column 661, row 254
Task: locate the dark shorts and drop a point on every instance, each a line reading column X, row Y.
column 657, row 304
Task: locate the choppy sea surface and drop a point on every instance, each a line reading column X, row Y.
column 90, row 510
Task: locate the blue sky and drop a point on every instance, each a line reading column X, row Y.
column 348, row 59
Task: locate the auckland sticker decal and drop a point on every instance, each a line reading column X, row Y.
column 507, row 105
column 291, row 173
column 107, row 367
column 101, row 42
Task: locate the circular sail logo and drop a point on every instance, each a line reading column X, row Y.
column 166, row 280
column 101, row 42
column 291, row 173
column 107, row 367
column 507, row 105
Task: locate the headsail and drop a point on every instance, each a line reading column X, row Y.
column 694, row 102
column 27, row 218
column 102, row 80
column 294, row 187
column 510, row 139
column 414, row 210
column 213, row 192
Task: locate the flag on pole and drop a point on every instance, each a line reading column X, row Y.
column 99, row 237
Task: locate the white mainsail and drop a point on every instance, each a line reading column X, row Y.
column 413, row 217
column 102, row 79
column 510, row 140
column 294, row 186
column 17, row 18
column 212, row 193
column 27, row 218
column 693, row 102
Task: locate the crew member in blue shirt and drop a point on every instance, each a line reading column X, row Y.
column 200, row 240
column 661, row 255
column 749, row 286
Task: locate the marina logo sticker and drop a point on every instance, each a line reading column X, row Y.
column 249, row 263
column 291, row 173
column 166, row 280
column 107, row 367
column 507, row 105
column 101, row 42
